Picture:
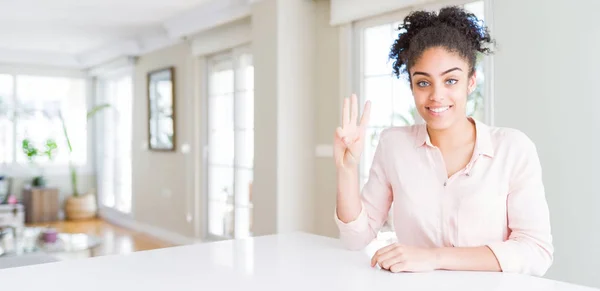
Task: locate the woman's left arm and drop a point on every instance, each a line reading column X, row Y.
column 402, row 258
column 529, row 248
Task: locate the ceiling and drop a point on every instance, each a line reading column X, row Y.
column 70, row 30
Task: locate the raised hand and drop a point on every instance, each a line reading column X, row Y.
column 349, row 138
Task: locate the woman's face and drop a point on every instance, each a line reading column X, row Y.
column 440, row 84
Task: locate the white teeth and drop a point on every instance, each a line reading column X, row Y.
column 439, row 109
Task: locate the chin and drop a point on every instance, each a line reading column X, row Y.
column 439, row 124
column 438, row 121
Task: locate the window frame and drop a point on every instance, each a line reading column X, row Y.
column 20, row 170
column 232, row 55
column 100, row 82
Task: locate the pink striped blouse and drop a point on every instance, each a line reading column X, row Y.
column 497, row 200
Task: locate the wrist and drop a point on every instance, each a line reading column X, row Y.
column 438, row 255
column 347, row 172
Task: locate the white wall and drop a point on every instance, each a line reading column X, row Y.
column 284, row 37
column 546, row 73
column 222, row 37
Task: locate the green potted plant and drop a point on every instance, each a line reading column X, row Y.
column 32, row 152
column 79, row 205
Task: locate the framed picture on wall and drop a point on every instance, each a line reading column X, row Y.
column 161, row 109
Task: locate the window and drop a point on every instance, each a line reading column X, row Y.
column 391, row 98
column 7, row 145
column 115, row 130
column 230, row 160
column 30, row 108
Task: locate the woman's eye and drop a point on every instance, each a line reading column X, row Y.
column 451, row 81
column 422, row 83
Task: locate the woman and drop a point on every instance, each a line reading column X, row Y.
column 466, row 196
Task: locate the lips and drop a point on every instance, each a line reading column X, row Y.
column 439, row 109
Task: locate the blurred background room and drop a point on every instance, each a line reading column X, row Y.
column 133, row 125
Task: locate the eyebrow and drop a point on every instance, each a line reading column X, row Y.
column 444, row 73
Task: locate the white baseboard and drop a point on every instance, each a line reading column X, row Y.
column 127, row 221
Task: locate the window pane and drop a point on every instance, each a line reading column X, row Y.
column 404, row 103
column 244, row 110
column 249, row 78
column 6, row 115
column 243, row 186
column 244, row 148
column 476, row 8
column 6, row 88
column 221, row 184
column 245, row 73
column 221, row 147
column 123, row 102
column 377, row 43
column 231, row 144
column 243, row 221
column 379, row 91
column 371, row 142
column 475, row 101
column 39, row 128
column 220, row 218
column 221, row 82
column 115, row 143
column 42, row 88
column 220, row 112
column 221, row 200
column 40, row 100
column 6, row 142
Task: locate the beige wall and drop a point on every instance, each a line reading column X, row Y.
column 327, row 100
column 292, row 189
column 163, row 181
column 264, row 50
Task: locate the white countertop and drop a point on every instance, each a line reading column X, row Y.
column 296, row 261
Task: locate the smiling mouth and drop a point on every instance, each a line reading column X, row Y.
column 439, row 109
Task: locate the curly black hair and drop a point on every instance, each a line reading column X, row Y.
column 453, row 28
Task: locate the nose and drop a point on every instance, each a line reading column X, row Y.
column 436, row 95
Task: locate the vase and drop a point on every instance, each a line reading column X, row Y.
column 81, row 207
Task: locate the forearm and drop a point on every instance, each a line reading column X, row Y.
column 466, row 259
column 348, row 197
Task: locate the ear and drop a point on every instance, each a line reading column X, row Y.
column 472, row 82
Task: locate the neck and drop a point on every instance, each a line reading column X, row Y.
column 460, row 133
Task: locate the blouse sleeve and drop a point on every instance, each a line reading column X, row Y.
column 376, row 199
column 529, row 248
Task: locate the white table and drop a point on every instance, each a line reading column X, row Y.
column 295, row 261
